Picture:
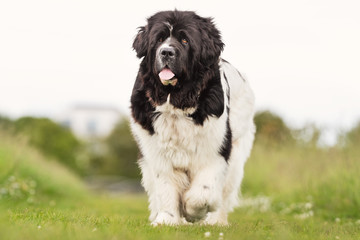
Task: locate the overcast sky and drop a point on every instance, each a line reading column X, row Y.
column 301, row 57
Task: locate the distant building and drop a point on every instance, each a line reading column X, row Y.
column 88, row 121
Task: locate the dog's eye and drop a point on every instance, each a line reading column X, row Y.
column 160, row 39
column 184, row 41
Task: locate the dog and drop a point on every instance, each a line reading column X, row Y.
column 192, row 118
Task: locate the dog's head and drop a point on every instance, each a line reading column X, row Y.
column 178, row 44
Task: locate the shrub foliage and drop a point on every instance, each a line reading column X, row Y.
column 51, row 139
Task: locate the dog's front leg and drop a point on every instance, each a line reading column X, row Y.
column 164, row 199
column 205, row 193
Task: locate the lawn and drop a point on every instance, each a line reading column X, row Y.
column 289, row 192
column 125, row 217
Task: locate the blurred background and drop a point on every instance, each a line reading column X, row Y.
column 67, row 70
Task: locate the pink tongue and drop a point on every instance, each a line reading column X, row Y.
column 166, row 74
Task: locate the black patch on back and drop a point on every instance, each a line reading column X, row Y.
column 225, row 149
column 227, row 90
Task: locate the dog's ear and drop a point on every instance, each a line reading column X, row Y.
column 141, row 42
column 212, row 44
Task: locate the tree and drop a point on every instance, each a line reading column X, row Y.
column 271, row 128
column 5, row 122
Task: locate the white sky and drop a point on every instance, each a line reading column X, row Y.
column 301, row 57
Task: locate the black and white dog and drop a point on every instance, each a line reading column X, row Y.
column 192, row 117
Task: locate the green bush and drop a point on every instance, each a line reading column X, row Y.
column 119, row 154
column 51, row 139
column 26, row 175
column 5, row 122
column 270, row 128
column 352, row 137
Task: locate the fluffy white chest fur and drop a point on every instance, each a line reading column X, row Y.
column 183, row 172
column 186, row 145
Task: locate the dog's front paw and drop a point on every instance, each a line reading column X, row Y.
column 198, row 201
column 165, row 218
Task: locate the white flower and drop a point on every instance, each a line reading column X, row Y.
column 207, row 234
column 221, row 236
column 304, row 215
column 308, row 205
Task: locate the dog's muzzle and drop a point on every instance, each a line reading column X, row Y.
column 167, row 58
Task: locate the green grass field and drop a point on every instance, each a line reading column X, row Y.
column 289, row 192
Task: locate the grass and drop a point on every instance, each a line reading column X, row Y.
column 126, row 218
column 289, row 192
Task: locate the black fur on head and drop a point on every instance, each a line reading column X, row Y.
column 205, row 39
column 201, row 51
column 197, row 46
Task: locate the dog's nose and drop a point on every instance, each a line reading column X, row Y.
column 167, row 52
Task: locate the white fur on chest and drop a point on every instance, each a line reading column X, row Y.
column 176, row 135
column 179, row 142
